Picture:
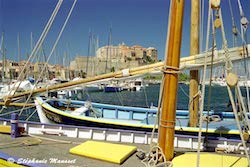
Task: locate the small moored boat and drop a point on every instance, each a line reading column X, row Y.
column 72, row 112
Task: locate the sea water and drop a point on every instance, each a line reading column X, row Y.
column 149, row 96
column 146, row 97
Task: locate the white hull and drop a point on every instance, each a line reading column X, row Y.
column 124, row 136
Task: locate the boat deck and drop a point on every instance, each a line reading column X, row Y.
column 56, row 153
column 53, row 150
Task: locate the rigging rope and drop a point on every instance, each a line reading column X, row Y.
column 89, row 98
column 229, row 66
column 201, row 107
column 145, row 94
column 211, row 75
column 184, row 92
column 38, row 44
column 27, row 119
column 7, row 113
column 240, row 8
column 238, row 92
column 1, row 46
column 244, row 44
column 53, row 48
column 202, row 11
column 152, row 144
column 244, row 23
column 234, row 29
column 119, row 97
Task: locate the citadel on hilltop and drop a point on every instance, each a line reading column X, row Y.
column 107, row 59
column 114, row 58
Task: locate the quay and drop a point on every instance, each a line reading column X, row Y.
column 54, row 151
column 44, row 145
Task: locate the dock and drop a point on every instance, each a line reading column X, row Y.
column 51, row 150
column 44, row 145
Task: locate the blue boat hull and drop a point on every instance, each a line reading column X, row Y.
column 143, row 117
column 112, row 89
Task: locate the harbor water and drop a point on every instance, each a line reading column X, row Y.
column 146, row 97
column 149, row 95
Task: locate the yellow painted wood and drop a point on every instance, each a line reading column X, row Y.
column 18, row 104
column 209, row 160
column 5, row 129
column 116, row 153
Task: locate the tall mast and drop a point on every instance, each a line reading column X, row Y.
column 94, row 43
column 108, row 56
column 172, row 63
column 18, row 50
column 194, row 74
column 31, row 42
column 3, row 56
column 18, row 47
column 89, row 52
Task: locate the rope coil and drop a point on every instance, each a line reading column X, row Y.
column 166, row 121
column 156, row 158
column 170, row 70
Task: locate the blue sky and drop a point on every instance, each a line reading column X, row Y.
column 134, row 22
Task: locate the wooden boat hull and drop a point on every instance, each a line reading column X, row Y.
column 62, row 119
column 133, row 122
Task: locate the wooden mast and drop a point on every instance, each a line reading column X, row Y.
column 167, row 120
column 194, row 74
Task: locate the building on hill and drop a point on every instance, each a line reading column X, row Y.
column 84, row 65
column 113, row 58
column 122, row 53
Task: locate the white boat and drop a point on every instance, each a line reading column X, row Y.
column 15, row 86
column 136, row 84
column 79, row 113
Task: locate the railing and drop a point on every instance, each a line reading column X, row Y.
column 120, row 135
